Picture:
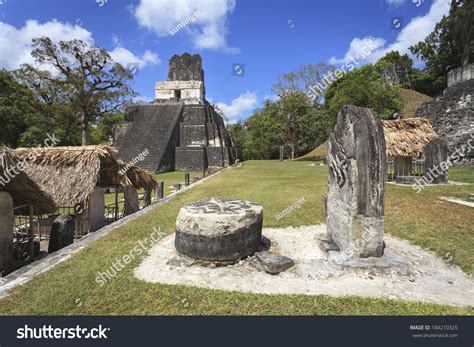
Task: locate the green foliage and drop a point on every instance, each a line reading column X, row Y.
column 20, row 120
column 266, row 134
column 394, row 58
column 103, row 131
column 292, row 119
column 85, row 76
column 363, row 87
column 450, row 44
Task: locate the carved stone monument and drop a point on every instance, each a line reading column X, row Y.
column 436, row 156
column 62, row 233
column 357, row 177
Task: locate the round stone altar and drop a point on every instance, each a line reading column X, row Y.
column 218, row 229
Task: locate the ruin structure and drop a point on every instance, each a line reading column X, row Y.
column 180, row 129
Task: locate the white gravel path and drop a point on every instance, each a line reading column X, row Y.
column 405, row 272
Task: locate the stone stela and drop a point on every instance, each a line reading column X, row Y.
column 357, row 176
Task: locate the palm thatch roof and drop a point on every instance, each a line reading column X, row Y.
column 70, row 174
column 408, row 137
column 23, row 190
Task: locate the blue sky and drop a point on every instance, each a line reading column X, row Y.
column 270, row 37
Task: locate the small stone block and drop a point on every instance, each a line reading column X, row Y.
column 273, row 263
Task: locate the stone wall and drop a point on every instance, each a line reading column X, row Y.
column 461, row 74
column 185, row 68
column 185, row 90
column 119, row 132
column 191, row 158
column 452, row 115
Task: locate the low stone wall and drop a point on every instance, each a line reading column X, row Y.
column 460, row 74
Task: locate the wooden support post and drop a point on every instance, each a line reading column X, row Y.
column 161, row 190
column 31, row 236
column 147, row 198
column 116, row 209
column 186, row 179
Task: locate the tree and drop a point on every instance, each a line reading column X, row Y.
column 265, row 134
column 304, row 80
column 450, row 45
column 240, row 137
column 363, row 87
column 84, row 75
column 305, row 125
column 292, row 119
column 20, row 119
column 393, row 58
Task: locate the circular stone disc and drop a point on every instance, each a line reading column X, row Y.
column 218, row 229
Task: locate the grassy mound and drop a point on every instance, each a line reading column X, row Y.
column 412, row 101
column 319, row 153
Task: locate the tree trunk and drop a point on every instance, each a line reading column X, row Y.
column 85, row 126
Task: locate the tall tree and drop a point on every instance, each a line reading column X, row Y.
column 20, row 119
column 363, row 87
column 82, row 73
column 305, row 79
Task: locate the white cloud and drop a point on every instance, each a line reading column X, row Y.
column 360, row 50
column 15, row 44
column 415, row 31
column 127, row 59
column 207, row 30
column 239, row 106
column 394, row 3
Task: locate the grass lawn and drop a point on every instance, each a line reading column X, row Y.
column 461, row 174
column 420, row 218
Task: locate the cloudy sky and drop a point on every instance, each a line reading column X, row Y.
column 245, row 44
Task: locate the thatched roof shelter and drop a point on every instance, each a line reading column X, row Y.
column 408, row 137
column 23, row 190
column 70, row 174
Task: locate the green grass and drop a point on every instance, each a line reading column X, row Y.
column 420, row 218
column 461, row 174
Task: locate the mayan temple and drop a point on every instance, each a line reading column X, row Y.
column 180, row 129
